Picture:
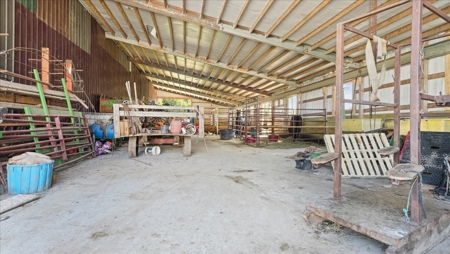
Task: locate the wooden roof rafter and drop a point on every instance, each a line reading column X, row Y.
column 192, row 94
column 306, row 19
column 297, row 67
column 241, row 13
column 127, row 20
column 210, row 44
column 252, row 52
column 102, row 19
column 221, row 11
column 331, row 21
column 113, row 18
column 198, row 41
column 261, row 15
column 258, row 60
column 214, row 91
column 141, row 23
column 273, row 60
column 236, row 51
column 224, row 48
column 172, row 39
column 199, row 77
column 282, row 17
column 155, row 24
column 212, row 23
column 285, row 64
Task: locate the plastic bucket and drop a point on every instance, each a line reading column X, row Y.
column 25, row 179
column 226, row 134
column 175, row 126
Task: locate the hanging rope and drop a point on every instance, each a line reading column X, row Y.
column 406, row 209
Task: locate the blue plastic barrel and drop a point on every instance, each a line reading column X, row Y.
column 109, row 132
column 25, row 179
column 98, row 133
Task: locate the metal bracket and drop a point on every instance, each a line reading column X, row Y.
column 440, row 100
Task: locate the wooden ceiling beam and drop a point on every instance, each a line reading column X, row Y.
column 191, row 93
column 236, row 51
column 331, row 21
column 255, row 48
column 379, row 26
column 306, row 19
column 172, row 39
column 137, row 52
column 127, row 20
column 221, row 11
column 278, row 57
column 290, row 61
column 301, row 65
column 107, row 27
column 200, row 59
column 282, row 17
column 184, row 37
column 224, row 48
column 236, row 23
column 156, row 57
column 210, row 44
column 158, row 35
column 166, row 60
column 203, row 88
column 113, row 18
column 202, row 9
column 124, row 46
column 210, row 22
column 198, row 76
column 353, row 24
column 429, row 18
column 198, row 41
column 259, row 59
column 261, row 15
column 144, row 29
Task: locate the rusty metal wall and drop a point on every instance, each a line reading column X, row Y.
column 6, row 26
column 104, row 71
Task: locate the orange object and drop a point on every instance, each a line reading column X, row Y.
column 175, row 126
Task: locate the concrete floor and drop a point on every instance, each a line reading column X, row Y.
column 226, row 198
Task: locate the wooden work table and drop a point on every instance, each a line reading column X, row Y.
column 133, row 146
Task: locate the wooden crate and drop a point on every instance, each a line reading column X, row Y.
column 359, row 154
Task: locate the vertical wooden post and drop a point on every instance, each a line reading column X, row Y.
column 325, row 98
column 416, row 49
column 361, row 93
column 337, row 108
column 354, row 85
column 68, row 75
column 201, row 122
column 447, row 76
column 424, row 81
column 45, row 64
column 397, row 84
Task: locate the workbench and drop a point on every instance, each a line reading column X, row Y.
column 136, row 111
column 133, row 146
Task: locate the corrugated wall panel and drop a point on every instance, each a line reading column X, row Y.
column 102, row 73
column 6, row 42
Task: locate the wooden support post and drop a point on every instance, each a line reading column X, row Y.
column 447, row 76
column 116, row 119
column 68, row 75
column 416, row 49
column 397, row 84
column 354, row 85
column 133, row 147
column 361, row 93
column 424, row 81
column 187, row 146
column 337, row 108
column 45, row 64
column 201, row 121
column 333, row 100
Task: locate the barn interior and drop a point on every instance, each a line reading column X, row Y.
column 213, row 126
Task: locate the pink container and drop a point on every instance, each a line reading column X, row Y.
column 175, row 126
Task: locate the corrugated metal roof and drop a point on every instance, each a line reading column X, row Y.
column 245, row 48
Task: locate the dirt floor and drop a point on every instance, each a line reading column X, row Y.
column 226, row 198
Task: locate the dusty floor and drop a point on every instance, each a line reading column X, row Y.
column 226, row 198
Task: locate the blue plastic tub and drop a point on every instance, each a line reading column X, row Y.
column 25, row 179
